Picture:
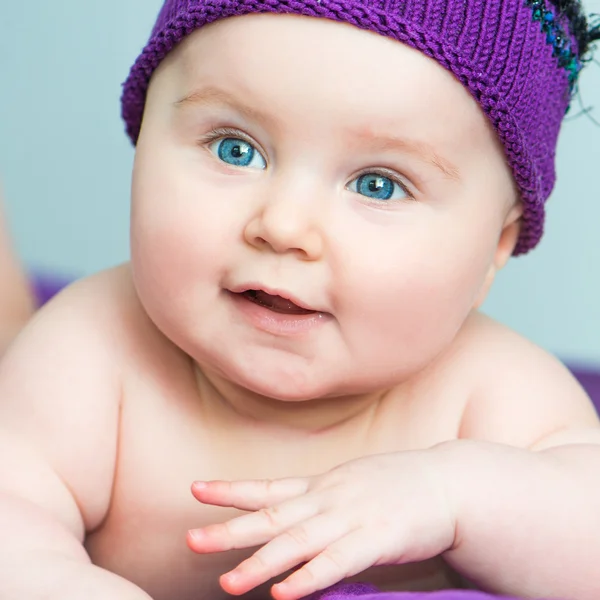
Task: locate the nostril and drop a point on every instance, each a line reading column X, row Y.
column 261, row 242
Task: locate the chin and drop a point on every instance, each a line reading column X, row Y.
column 285, row 385
column 286, row 389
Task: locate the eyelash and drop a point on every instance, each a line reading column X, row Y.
column 388, row 174
column 218, row 133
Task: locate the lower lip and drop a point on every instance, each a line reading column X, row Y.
column 277, row 323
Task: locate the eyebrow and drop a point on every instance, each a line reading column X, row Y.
column 212, row 96
column 423, row 151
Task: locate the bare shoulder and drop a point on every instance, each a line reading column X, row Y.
column 102, row 310
column 60, row 395
column 82, row 319
column 101, row 299
column 518, row 393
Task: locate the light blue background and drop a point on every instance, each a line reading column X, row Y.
column 66, row 164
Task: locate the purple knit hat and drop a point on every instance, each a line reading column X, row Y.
column 516, row 57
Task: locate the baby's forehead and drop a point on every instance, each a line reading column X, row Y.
column 351, row 71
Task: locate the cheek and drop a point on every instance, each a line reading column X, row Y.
column 412, row 293
column 174, row 233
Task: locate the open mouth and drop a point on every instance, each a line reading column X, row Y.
column 275, row 303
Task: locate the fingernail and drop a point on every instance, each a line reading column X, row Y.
column 195, row 534
column 278, row 589
column 229, row 578
column 199, row 485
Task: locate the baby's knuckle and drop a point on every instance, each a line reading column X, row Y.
column 225, row 530
column 306, row 576
column 337, row 558
column 258, row 563
column 297, row 535
column 272, row 517
column 270, row 486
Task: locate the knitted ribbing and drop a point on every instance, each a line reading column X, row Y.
column 495, row 48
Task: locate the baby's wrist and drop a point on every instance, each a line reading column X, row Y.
column 458, row 465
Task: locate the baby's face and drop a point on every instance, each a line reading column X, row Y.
column 294, row 157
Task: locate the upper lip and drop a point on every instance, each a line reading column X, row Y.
column 240, row 289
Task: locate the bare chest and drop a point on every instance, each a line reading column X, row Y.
column 165, row 445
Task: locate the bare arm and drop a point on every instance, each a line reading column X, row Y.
column 16, row 299
column 59, row 419
column 528, row 503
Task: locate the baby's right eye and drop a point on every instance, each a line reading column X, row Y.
column 238, row 152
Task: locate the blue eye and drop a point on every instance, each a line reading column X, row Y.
column 377, row 186
column 238, row 152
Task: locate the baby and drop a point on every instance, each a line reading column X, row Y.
column 16, row 301
column 322, row 196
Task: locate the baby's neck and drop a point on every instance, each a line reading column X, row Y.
column 314, row 416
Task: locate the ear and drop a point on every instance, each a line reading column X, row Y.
column 506, row 245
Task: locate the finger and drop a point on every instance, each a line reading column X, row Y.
column 294, row 546
column 348, row 556
column 249, row 495
column 253, row 529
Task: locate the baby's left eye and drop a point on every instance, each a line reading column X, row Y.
column 378, row 187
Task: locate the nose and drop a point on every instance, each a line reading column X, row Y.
column 287, row 222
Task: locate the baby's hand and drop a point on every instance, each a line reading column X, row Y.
column 379, row 510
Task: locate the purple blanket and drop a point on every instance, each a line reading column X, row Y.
column 359, row 591
column 46, row 287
